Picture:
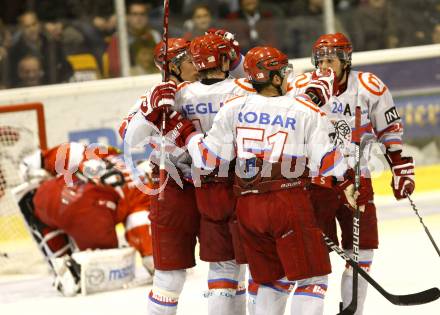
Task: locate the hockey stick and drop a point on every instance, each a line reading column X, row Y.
column 352, row 307
column 165, row 75
column 418, row 298
column 413, row 205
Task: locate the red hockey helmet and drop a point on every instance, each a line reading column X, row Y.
column 330, row 46
column 206, row 51
column 177, row 48
column 260, row 61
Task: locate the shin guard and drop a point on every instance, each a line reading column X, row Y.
column 164, row 296
column 308, row 298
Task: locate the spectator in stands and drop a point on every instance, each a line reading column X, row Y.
column 5, row 43
column 139, row 30
column 413, row 21
column 32, row 40
column 30, row 71
column 97, row 23
column 303, row 30
column 72, row 40
column 374, row 26
column 144, row 61
column 256, row 24
column 200, row 22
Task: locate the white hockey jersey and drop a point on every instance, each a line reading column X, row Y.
column 196, row 101
column 272, row 128
column 380, row 121
column 200, row 102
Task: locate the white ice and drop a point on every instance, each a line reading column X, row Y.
column 405, row 263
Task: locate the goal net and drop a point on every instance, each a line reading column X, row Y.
column 22, row 131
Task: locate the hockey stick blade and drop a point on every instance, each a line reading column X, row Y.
column 418, row 298
column 349, row 310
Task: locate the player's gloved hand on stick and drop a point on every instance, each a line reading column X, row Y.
column 350, row 197
column 402, row 167
column 322, row 86
column 161, row 98
column 178, row 128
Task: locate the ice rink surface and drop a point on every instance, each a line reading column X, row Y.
column 405, row 263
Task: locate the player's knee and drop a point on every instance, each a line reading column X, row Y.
column 167, row 286
column 170, row 280
column 314, row 287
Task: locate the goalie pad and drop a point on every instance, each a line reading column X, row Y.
column 105, row 270
column 53, row 243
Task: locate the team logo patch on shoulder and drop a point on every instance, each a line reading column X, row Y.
column 302, row 80
column 372, row 83
column 391, row 115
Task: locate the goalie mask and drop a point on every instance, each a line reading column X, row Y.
column 331, row 46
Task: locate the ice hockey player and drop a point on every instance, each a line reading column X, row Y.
column 380, row 123
column 200, row 101
column 175, row 222
column 277, row 141
column 85, row 193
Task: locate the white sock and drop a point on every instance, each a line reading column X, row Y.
column 223, row 282
column 239, row 300
column 365, row 260
column 308, row 298
column 272, row 298
column 252, row 295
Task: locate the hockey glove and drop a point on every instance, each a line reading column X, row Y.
column 403, row 182
column 161, row 97
column 178, row 128
column 350, row 197
column 322, row 86
column 231, row 38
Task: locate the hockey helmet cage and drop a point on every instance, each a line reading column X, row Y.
column 330, row 46
column 259, row 62
column 206, row 51
column 177, row 49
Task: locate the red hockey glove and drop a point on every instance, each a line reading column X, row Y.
column 322, row 86
column 161, row 97
column 178, row 128
column 349, row 197
column 403, row 182
column 229, row 37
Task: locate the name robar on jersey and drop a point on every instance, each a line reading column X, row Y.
column 200, row 102
column 272, row 128
column 380, row 121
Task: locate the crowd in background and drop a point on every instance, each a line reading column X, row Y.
column 45, row 42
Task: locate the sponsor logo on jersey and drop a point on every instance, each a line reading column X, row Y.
column 263, row 118
column 117, row 274
column 201, row 108
column 391, row 115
